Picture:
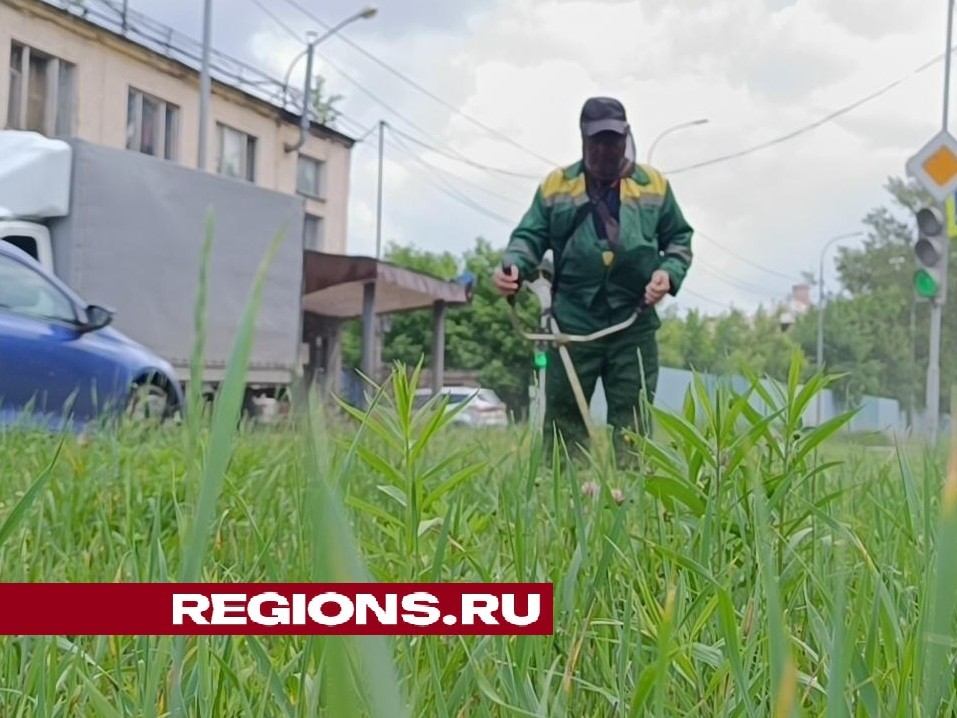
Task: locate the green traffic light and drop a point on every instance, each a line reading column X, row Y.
column 541, row 360
column 925, row 284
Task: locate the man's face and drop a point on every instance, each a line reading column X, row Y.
column 603, row 154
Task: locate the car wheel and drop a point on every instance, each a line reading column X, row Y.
column 149, row 402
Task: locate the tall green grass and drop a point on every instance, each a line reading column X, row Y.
column 751, row 567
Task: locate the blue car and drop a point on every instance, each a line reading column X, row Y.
column 61, row 364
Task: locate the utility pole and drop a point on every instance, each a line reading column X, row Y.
column 378, row 221
column 933, row 167
column 937, row 303
column 205, row 85
column 912, row 408
column 933, row 373
column 950, row 35
column 380, row 329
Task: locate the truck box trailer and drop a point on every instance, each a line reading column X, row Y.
column 126, row 230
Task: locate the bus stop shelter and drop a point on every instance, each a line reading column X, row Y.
column 337, row 288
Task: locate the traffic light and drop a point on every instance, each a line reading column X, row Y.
column 931, row 250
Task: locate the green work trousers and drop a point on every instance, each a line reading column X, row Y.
column 629, row 386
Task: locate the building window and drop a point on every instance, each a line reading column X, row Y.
column 41, row 92
column 310, row 177
column 237, row 153
column 151, row 125
column 313, row 230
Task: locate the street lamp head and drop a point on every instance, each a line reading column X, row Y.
column 369, row 11
column 702, row 121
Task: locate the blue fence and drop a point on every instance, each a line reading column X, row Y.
column 873, row 413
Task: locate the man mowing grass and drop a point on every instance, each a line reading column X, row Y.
column 636, row 248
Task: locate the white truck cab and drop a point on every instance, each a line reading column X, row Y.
column 32, row 238
column 35, row 177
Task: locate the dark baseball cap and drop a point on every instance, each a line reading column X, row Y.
column 603, row 114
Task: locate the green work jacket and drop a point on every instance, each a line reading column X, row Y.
column 595, row 287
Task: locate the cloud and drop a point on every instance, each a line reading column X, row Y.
column 877, row 19
column 756, row 70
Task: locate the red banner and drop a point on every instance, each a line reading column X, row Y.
column 148, row 609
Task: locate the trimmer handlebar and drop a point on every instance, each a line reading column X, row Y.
column 560, row 337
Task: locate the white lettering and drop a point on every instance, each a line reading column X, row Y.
column 412, row 603
column 534, row 609
column 189, row 604
column 471, row 608
column 420, row 608
column 388, row 615
column 222, row 608
column 299, row 609
column 346, row 609
column 278, row 615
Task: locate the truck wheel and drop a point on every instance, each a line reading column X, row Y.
column 149, row 402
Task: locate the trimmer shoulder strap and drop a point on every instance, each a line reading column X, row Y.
column 581, row 214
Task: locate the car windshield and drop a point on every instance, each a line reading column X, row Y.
column 25, row 291
column 457, row 396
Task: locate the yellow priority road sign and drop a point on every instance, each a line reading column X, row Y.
column 935, row 166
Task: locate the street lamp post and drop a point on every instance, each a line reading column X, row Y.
column 820, row 308
column 668, row 131
column 367, row 12
column 205, row 84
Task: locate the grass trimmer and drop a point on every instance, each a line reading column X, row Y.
column 550, row 333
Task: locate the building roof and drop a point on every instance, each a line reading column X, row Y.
column 141, row 31
column 333, row 286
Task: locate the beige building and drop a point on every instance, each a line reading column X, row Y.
column 69, row 73
column 95, row 70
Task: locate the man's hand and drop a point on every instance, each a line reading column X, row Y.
column 657, row 288
column 506, row 284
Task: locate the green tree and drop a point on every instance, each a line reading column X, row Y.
column 876, row 334
column 726, row 344
column 875, row 329
column 698, row 347
column 479, row 337
column 410, row 333
column 324, row 108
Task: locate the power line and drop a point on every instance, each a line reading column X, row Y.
column 389, row 107
column 702, row 297
column 453, row 192
column 699, row 233
column 435, row 168
column 722, row 276
column 459, row 157
column 428, row 93
column 275, row 18
column 705, row 163
column 697, row 165
column 814, row 125
column 358, row 85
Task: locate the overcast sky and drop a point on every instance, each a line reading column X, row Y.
column 507, row 79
